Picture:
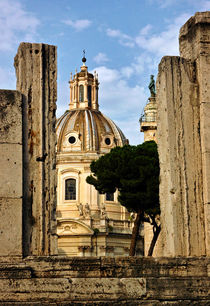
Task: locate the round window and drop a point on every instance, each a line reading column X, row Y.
column 72, row 139
column 107, row 141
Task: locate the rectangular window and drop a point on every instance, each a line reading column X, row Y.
column 70, row 189
column 109, row 196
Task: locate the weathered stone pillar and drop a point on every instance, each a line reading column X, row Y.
column 36, row 72
column 11, row 178
column 195, row 44
column 183, row 132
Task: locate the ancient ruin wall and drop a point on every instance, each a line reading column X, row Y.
column 195, row 44
column 36, row 73
column 183, row 140
column 105, row 281
column 11, row 178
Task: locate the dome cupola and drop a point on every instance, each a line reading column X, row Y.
column 84, row 128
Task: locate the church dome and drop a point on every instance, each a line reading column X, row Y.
column 87, row 130
column 84, row 128
column 84, row 216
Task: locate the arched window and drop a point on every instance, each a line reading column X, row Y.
column 89, row 96
column 70, row 189
column 109, row 196
column 81, row 93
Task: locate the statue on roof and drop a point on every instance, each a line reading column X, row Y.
column 152, row 86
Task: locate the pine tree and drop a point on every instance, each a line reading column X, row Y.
column 134, row 171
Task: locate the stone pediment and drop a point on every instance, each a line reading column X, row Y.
column 73, row 227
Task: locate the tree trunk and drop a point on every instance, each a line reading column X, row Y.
column 156, row 232
column 135, row 234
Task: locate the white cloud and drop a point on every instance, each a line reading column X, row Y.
column 166, row 42
column 121, row 102
column 123, row 39
column 127, row 71
column 16, row 24
column 101, row 58
column 79, row 24
column 146, row 29
column 159, row 44
column 107, row 75
column 146, row 62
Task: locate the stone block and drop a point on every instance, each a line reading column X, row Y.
column 194, row 36
column 10, row 116
column 10, row 170
column 206, row 177
column 205, row 126
column 74, row 289
column 178, row 289
column 10, row 227
column 203, row 67
column 109, row 288
column 207, row 227
column 177, row 281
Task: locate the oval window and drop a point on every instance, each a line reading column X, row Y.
column 107, row 141
column 72, row 139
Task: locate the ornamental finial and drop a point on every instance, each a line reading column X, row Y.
column 84, row 58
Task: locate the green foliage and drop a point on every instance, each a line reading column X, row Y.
column 134, row 171
column 96, row 231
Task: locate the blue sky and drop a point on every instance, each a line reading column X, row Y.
column 124, row 42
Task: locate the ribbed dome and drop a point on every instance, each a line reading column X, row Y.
column 87, row 130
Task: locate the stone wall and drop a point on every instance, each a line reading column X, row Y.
column 11, row 178
column 105, row 281
column 27, row 148
column 183, row 99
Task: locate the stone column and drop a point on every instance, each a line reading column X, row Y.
column 36, row 71
column 194, row 41
column 183, row 100
column 180, row 159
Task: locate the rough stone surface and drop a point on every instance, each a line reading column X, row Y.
column 195, row 44
column 105, row 281
column 36, row 73
column 11, row 226
column 10, row 173
column 10, row 116
column 183, row 139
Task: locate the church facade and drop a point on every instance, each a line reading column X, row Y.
column 89, row 224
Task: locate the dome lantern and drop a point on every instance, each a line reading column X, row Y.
column 84, row 89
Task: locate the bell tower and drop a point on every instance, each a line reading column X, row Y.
column 84, row 88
